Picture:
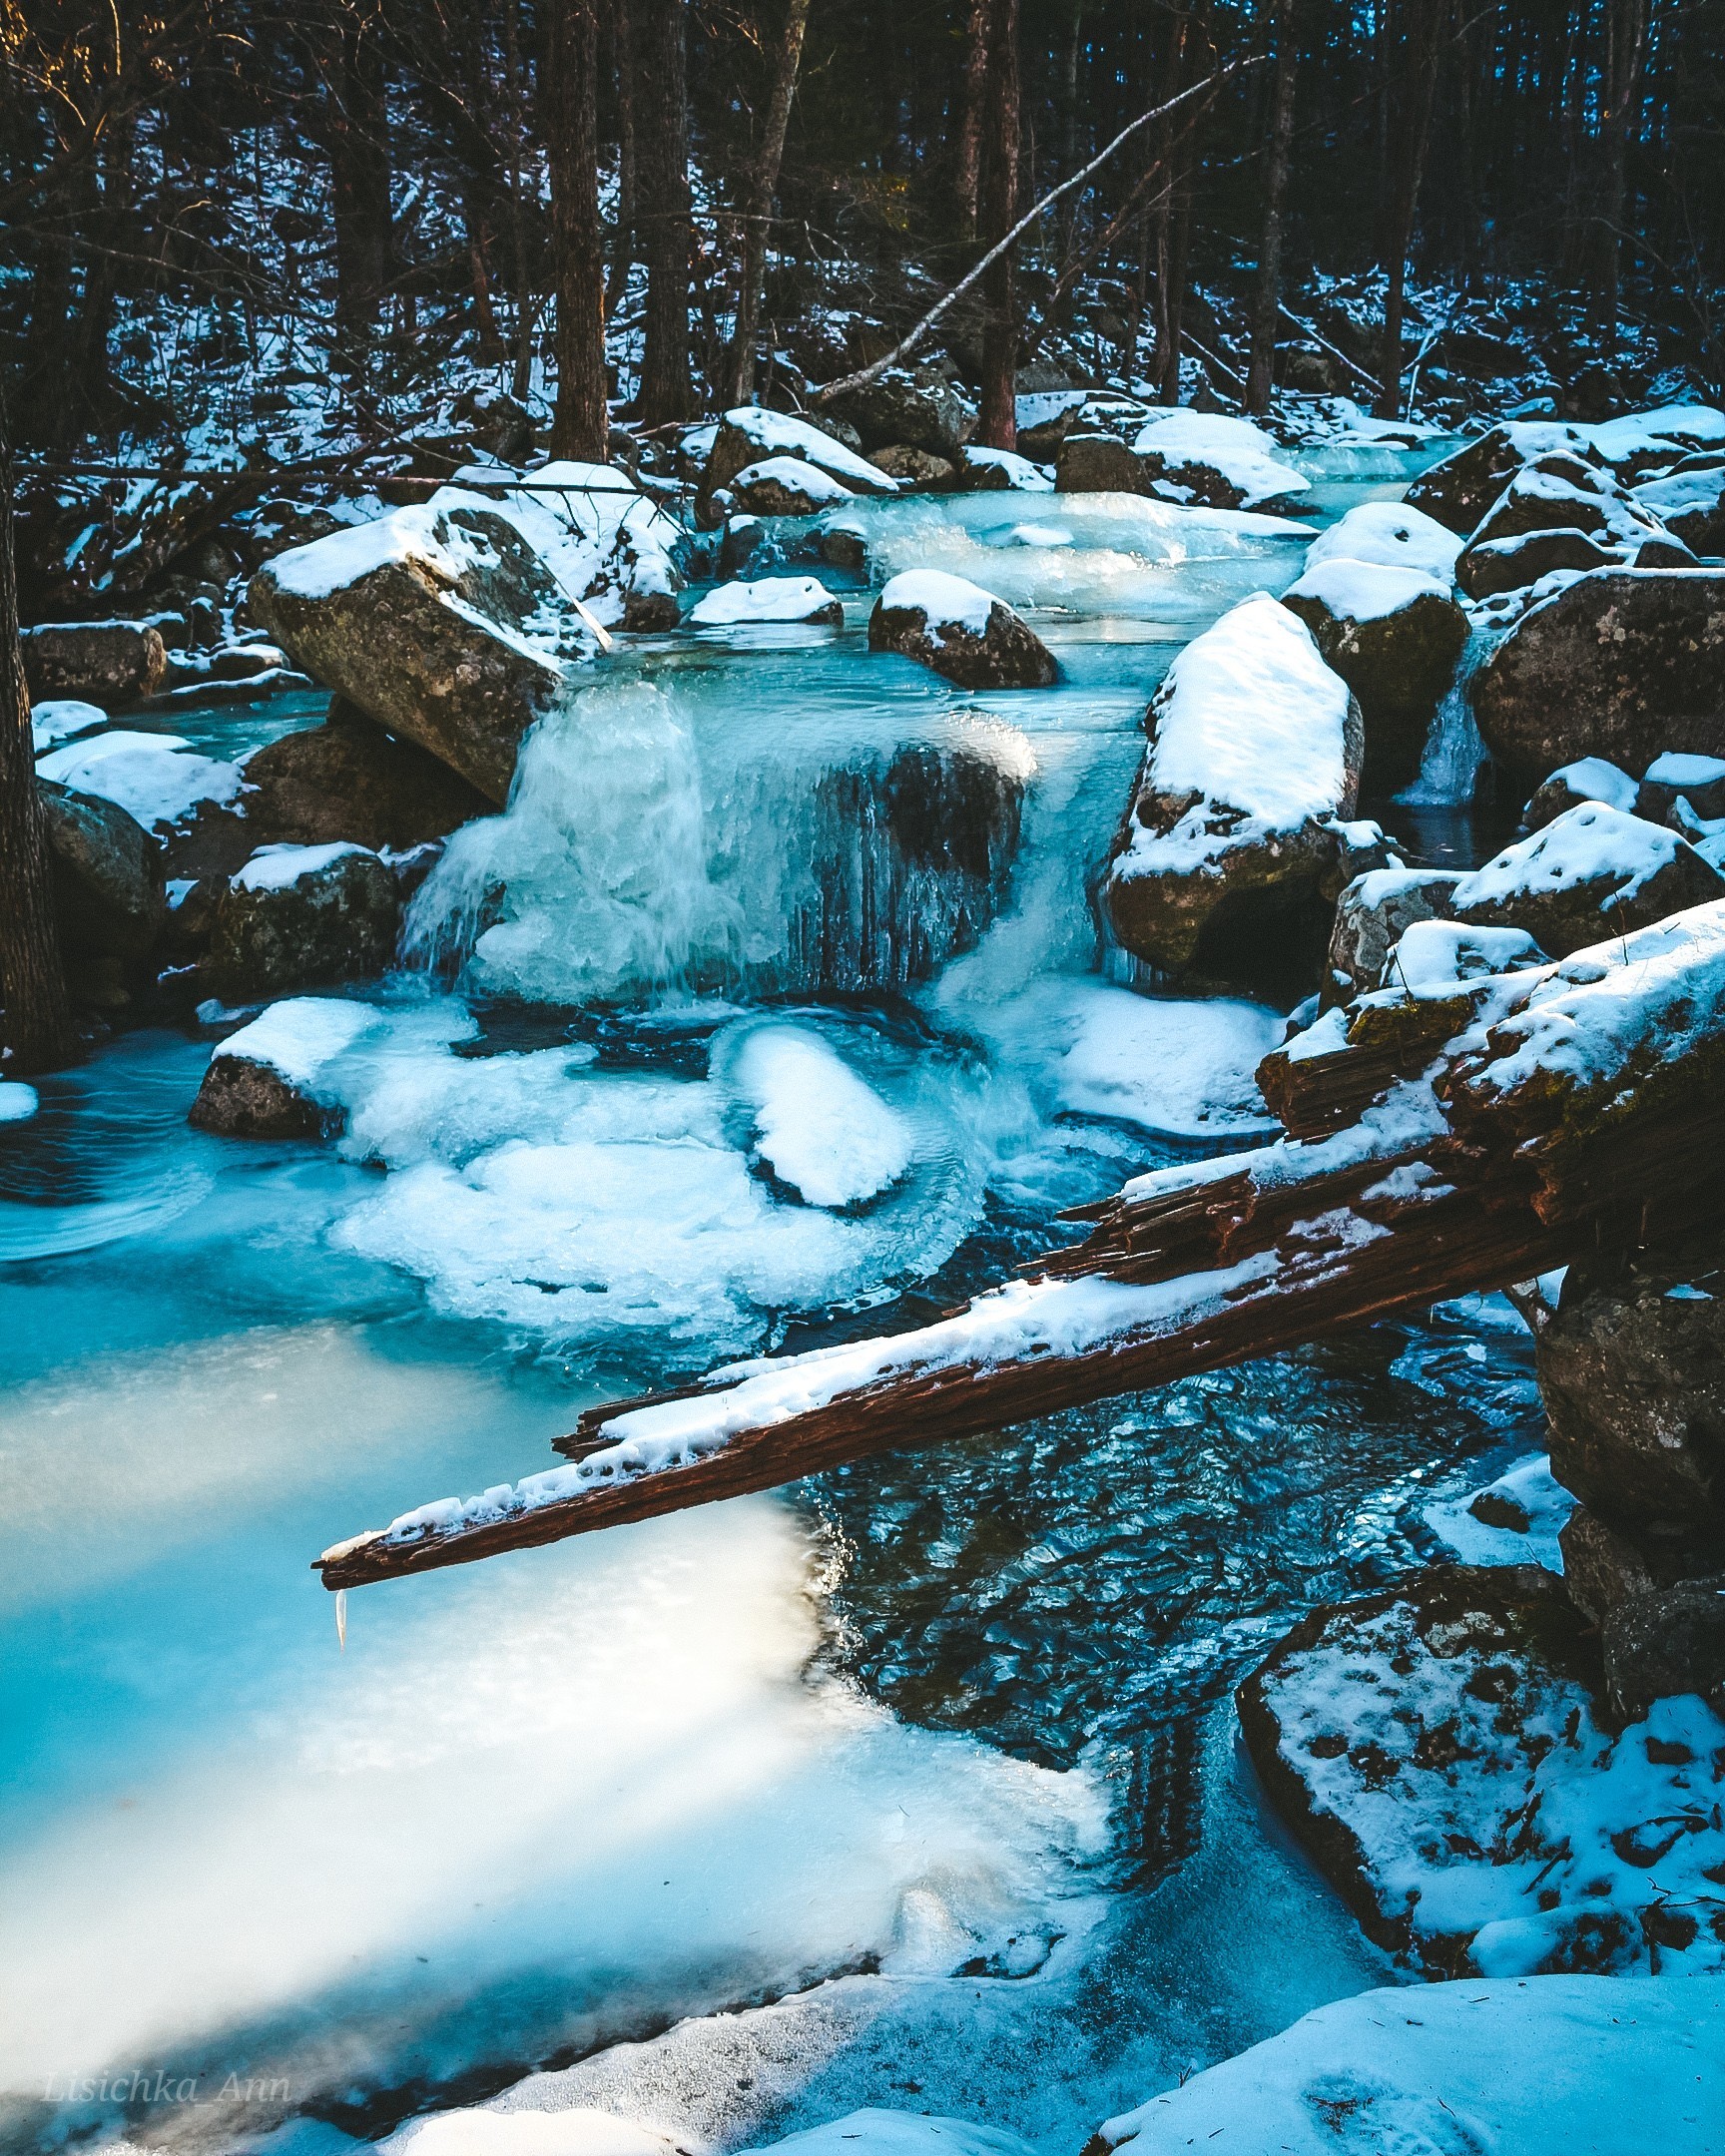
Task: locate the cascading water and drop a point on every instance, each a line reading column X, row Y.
column 1455, row 753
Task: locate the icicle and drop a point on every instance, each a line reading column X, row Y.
column 342, row 1619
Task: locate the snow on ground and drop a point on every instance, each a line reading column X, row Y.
column 1514, row 1520
column 770, row 599
column 1251, row 721
column 1243, row 453
column 63, row 719
column 1393, row 535
column 1552, row 2066
column 948, row 601
column 155, row 778
column 818, row 1126
column 1364, row 591
column 280, row 867
column 531, row 2133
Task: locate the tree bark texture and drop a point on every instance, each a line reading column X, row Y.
column 757, row 212
column 357, row 131
column 571, row 129
column 663, row 203
column 997, row 423
column 1267, row 301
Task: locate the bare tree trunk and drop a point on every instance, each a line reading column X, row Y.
column 359, row 136
column 971, row 91
column 1413, row 92
column 758, row 216
column 662, row 150
column 1625, row 50
column 997, row 423
column 571, row 130
column 521, row 375
column 1267, row 304
column 38, row 1024
column 1168, row 281
column 623, row 238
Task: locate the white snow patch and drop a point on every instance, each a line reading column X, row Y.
column 1529, row 1488
column 63, row 719
column 772, row 599
column 1437, row 954
column 300, row 1036
column 155, row 778
column 818, row 1126
column 948, row 601
column 1364, row 591
column 1243, row 453
column 278, row 868
column 529, row 2133
column 1394, row 536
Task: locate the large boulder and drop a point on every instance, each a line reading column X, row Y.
column 750, row 436
column 1591, row 873
column 1669, row 778
column 1219, row 464
column 1459, row 490
column 1589, row 779
column 1561, row 493
column 920, row 469
column 918, row 408
column 271, row 1079
column 1094, row 462
column 1665, row 1644
column 1494, row 566
column 1371, row 916
column 1690, row 503
column 784, row 486
column 298, row 916
column 1391, row 534
column 1236, row 843
column 349, row 779
column 1633, row 1370
column 416, row 618
column 1393, row 636
column 111, row 663
column 1620, row 664
column 107, row 885
column 960, row 631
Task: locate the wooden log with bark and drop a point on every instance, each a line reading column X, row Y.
column 1460, row 1139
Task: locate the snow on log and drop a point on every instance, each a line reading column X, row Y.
column 1445, row 1139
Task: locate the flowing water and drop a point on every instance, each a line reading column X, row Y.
column 775, row 1006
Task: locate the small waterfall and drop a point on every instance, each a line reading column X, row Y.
column 635, row 860
column 1453, row 754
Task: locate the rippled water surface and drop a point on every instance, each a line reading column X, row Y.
column 949, row 1728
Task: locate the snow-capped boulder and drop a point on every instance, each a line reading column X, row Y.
column 158, row 779
column 960, row 631
column 1669, row 778
column 750, row 436
column 1235, row 840
column 1591, row 779
column 418, row 618
column 1214, row 462
column 771, row 599
column 1631, row 1369
column 1504, row 565
column 1561, row 493
column 1462, row 488
column 297, row 916
column 1393, row 635
column 1391, row 534
column 1373, row 914
column 998, row 471
column 914, row 407
column 108, row 887
column 349, row 779
column 111, row 663
column 269, row 1080
column 1437, row 954
column 1442, row 1753
column 1690, row 503
column 785, row 486
column 1620, row 664
column 58, row 719
column 1589, row 873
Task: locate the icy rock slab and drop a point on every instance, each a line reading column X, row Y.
column 1545, row 2067
column 1589, row 872
column 265, row 1080
column 960, row 631
column 1254, row 763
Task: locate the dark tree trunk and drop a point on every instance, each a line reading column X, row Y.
column 1169, row 242
column 623, row 238
column 1267, row 304
column 358, row 129
column 571, row 130
column 972, row 91
column 997, row 423
column 1620, row 91
column 1412, row 81
column 758, row 213
column 662, row 153
column 38, row 1025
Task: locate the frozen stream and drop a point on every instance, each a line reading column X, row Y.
column 733, row 1054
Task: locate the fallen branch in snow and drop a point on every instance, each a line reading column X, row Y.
column 865, row 376
column 1439, row 1144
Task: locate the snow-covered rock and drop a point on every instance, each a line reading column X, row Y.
column 916, row 408
column 1393, row 635
column 986, row 471
column 1590, row 873
column 1591, row 779
column 818, row 1128
column 1671, row 778
column 1373, row 914
column 1619, row 664
column 108, row 887
column 1690, row 504
column 1391, row 534
column 1217, row 462
column 1561, row 493
column 785, row 486
column 265, row 1080
column 771, row 599
column 749, row 436
column 1497, row 566
column 1440, row 1751
column 110, row 663
column 1431, row 955
column 1091, row 460
column 1237, row 818
column 295, row 916
column 1459, row 490
column 158, row 779
column 63, row 719
column 1549, row 2066
column 953, row 626
column 349, row 779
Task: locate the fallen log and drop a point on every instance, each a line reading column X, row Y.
column 1499, row 1128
